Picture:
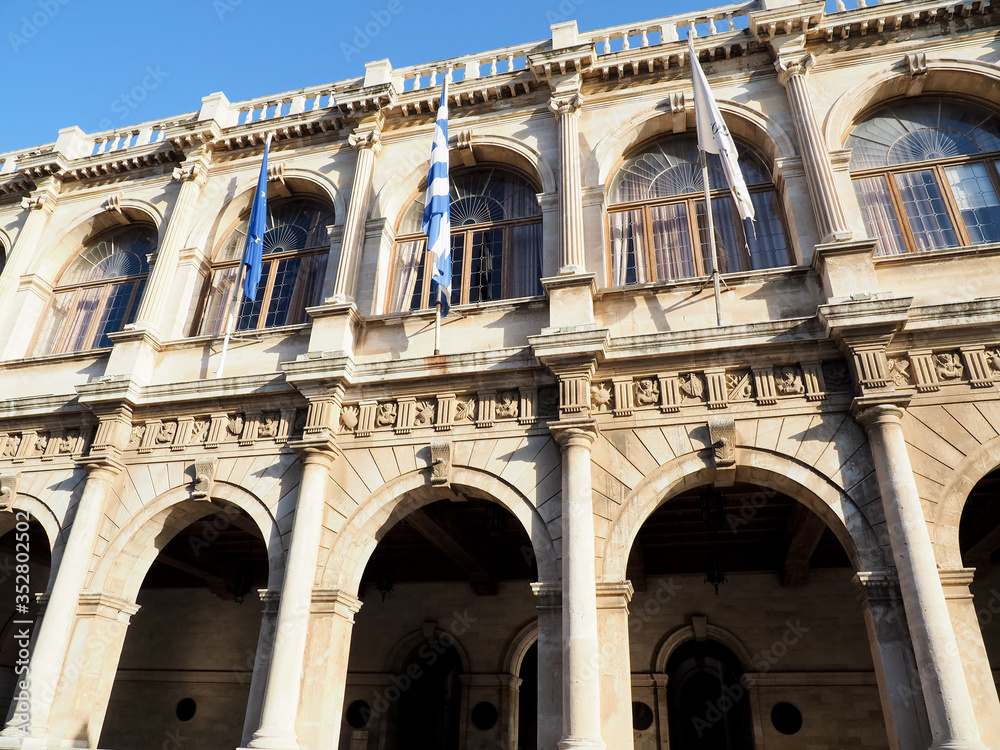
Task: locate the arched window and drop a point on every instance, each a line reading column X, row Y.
column 657, row 205
column 296, row 248
column 99, row 292
column 496, row 243
column 925, row 173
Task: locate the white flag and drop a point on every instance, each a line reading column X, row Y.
column 714, row 137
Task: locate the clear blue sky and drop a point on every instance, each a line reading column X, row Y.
column 78, row 62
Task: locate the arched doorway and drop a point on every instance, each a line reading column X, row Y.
column 188, row 656
column 788, row 631
column 705, row 682
column 430, row 708
column 979, row 540
column 25, row 559
column 527, row 701
column 443, row 592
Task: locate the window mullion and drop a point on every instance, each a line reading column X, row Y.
column 648, row 239
column 901, row 215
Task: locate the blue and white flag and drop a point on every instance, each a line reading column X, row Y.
column 253, row 254
column 714, row 137
column 437, row 209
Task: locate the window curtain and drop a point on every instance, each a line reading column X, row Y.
column 672, row 242
column 879, row 214
column 526, row 260
column 628, row 252
column 408, row 261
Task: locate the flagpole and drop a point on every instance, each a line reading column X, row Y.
column 437, row 326
column 711, row 239
column 237, row 299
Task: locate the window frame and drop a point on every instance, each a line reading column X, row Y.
column 270, row 263
column 468, row 231
column 695, row 230
column 937, row 167
column 138, row 281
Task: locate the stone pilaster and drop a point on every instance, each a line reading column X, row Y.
column 40, row 205
column 550, row 662
column 946, row 693
column 616, row 672
column 792, row 67
column 52, row 640
column 892, row 654
column 193, row 176
column 581, row 648
column 565, row 103
column 367, row 142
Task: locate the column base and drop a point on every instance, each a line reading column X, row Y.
column 265, row 740
column 581, row 743
column 958, row 745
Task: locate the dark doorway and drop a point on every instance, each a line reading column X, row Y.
column 527, row 701
column 706, row 699
column 430, row 708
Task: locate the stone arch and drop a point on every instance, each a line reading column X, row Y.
column 960, row 79
column 687, row 633
column 763, row 133
column 948, row 515
column 124, row 563
column 376, row 515
column 52, row 261
column 298, row 183
column 397, row 655
column 754, row 466
column 39, row 512
column 518, row 647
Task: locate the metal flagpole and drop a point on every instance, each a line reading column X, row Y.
column 437, row 325
column 711, row 239
column 233, row 306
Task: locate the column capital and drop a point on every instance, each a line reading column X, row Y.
column 335, row 602
column 567, row 103
column 879, row 584
column 45, row 198
column 549, row 594
column 797, row 63
column 887, row 409
column 366, row 137
column 614, row 594
column 580, row 432
column 195, row 167
column 109, row 606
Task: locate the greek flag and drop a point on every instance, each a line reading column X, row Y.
column 437, row 209
column 253, row 254
column 714, row 137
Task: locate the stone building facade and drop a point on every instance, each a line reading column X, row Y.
column 599, row 517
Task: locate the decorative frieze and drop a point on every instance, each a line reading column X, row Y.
column 718, row 393
column 44, row 445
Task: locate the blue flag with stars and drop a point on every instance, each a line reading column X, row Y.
column 253, row 255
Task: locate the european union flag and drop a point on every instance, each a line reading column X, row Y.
column 437, row 209
column 253, row 254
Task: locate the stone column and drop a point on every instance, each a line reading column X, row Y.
column 565, row 103
column 616, row 666
column 946, row 693
column 14, row 338
column 193, row 176
column 284, row 680
column 581, row 651
column 366, row 140
column 550, row 670
column 52, row 639
column 895, row 667
column 815, row 155
column 261, row 662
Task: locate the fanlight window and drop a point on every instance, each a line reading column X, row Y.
column 296, row 247
column 925, row 173
column 496, row 243
column 99, row 292
column 657, row 207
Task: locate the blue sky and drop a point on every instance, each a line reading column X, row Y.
column 112, row 63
